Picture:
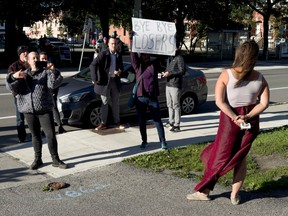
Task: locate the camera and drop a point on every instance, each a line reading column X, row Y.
column 41, row 64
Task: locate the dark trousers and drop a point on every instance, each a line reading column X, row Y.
column 20, row 123
column 152, row 104
column 45, row 121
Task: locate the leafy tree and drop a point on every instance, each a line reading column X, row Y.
column 266, row 8
column 75, row 12
column 213, row 15
column 14, row 22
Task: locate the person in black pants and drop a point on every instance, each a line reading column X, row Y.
column 43, row 57
column 35, row 100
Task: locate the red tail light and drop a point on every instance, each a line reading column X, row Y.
column 202, row 80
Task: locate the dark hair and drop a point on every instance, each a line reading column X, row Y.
column 42, row 53
column 22, row 49
column 245, row 57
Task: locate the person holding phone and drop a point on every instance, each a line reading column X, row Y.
column 43, row 63
column 35, row 100
column 242, row 94
column 174, row 72
column 106, row 71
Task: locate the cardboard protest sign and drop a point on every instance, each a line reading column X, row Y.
column 153, row 36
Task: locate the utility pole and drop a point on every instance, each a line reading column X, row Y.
column 137, row 9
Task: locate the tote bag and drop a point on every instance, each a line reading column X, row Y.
column 133, row 96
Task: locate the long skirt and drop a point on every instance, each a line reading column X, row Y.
column 230, row 147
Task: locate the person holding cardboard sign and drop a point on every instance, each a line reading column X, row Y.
column 147, row 93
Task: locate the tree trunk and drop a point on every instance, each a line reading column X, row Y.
column 10, row 40
column 104, row 19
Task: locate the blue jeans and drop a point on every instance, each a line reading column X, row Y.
column 141, row 105
column 20, row 123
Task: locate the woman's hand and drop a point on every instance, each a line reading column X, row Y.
column 240, row 119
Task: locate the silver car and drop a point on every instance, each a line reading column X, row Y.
column 80, row 106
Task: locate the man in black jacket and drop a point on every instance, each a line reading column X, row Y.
column 105, row 72
column 173, row 74
column 20, row 65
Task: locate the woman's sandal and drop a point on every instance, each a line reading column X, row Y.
column 198, row 196
column 236, row 200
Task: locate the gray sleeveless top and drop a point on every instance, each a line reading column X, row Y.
column 245, row 94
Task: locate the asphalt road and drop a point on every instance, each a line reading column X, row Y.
column 120, row 190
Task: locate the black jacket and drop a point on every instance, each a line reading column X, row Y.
column 176, row 68
column 99, row 69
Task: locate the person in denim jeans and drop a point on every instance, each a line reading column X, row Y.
column 20, row 65
column 147, row 93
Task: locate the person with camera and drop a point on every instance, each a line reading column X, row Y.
column 44, row 58
column 34, row 99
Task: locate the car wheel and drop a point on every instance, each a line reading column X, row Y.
column 187, row 104
column 92, row 116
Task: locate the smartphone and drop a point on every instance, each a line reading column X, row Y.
column 41, row 64
column 245, row 126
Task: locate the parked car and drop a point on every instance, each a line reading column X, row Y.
column 56, row 41
column 71, row 40
column 80, row 106
column 59, row 49
column 98, row 43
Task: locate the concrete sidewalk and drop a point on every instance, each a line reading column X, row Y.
column 86, row 149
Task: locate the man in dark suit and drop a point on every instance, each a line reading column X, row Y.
column 105, row 72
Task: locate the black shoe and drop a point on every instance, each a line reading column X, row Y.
column 168, row 125
column 61, row 130
column 164, row 145
column 143, row 145
column 26, row 139
column 175, row 129
column 58, row 163
column 36, row 164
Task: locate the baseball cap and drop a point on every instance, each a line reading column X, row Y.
column 22, row 49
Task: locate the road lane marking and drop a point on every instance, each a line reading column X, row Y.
column 4, row 94
column 7, row 117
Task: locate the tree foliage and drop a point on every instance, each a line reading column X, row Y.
column 15, row 21
column 266, row 8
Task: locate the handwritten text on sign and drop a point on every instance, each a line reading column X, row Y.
column 152, row 36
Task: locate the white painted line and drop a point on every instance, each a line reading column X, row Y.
column 4, row 94
column 7, row 117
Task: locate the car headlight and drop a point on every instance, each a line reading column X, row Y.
column 73, row 98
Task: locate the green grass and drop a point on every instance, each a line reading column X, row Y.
column 185, row 162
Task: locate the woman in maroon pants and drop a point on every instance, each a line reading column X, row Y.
column 241, row 93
